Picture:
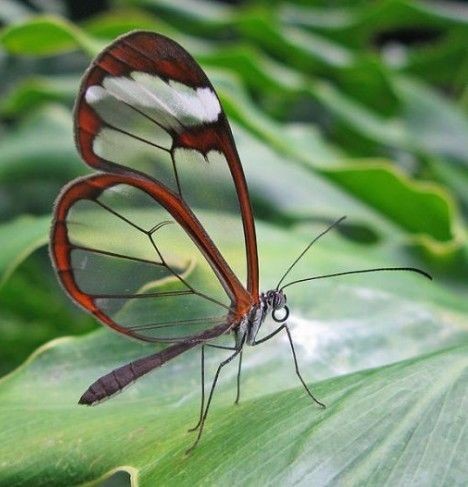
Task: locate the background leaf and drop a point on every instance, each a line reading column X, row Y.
column 44, row 36
column 18, row 239
column 357, row 109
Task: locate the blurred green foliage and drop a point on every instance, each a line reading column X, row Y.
column 359, row 108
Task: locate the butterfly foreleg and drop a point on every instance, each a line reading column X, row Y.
column 285, row 327
column 238, row 378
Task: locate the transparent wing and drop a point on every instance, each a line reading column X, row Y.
column 145, row 105
column 132, row 253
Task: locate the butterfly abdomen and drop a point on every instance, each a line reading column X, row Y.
column 112, row 383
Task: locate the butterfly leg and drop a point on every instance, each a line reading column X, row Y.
column 296, row 365
column 238, row 378
column 202, row 406
column 239, row 368
column 213, row 385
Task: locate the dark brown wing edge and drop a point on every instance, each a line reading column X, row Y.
column 156, row 54
column 90, row 188
column 118, row 379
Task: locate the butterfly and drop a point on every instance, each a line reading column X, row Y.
column 130, row 244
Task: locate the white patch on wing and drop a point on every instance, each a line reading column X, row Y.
column 140, row 97
column 201, row 105
column 144, row 105
column 210, row 103
column 189, row 106
column 171, row 104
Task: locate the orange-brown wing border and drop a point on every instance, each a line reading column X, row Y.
column 156, row 54
column 90, row 187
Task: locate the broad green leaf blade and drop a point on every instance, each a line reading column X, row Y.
column 143, row 430
column 348, row 443
column 412, row 197
column 35, row 310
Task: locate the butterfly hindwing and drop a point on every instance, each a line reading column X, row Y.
column 135, row 256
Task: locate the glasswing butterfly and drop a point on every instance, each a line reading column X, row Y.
column 129, row 243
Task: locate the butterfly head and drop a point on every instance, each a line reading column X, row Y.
column 274, row 301
column 277, row 300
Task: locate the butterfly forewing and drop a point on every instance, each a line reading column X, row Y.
column 136, row 257
column 146, row 106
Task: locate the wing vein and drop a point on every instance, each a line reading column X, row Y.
column 176, row 174
column 161, row 294
column 167, row 324
column 141, row 139
column 118, row 215
column 115, row 254
column 181, row 279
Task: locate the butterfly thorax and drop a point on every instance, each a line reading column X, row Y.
column 271, row 301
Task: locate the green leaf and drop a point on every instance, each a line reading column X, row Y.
column 35, row 310
column 18, row 238
column 37, row 90
column 304, row 50
column 25, row 156
column 440, row 235
column 196, row 16
column 444, row 63
column 47, row 35
column 143, row 430
column 146, row 435
column 113, row 23
column 453, row 175
column 433, row 124
column 255, row 69
column 367, row 18
column 414, row 198
column 361, row 120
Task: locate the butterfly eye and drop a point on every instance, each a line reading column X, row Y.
column 280, row 315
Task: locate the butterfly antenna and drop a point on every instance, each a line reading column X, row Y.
column 334, row 224
column 362, row 271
